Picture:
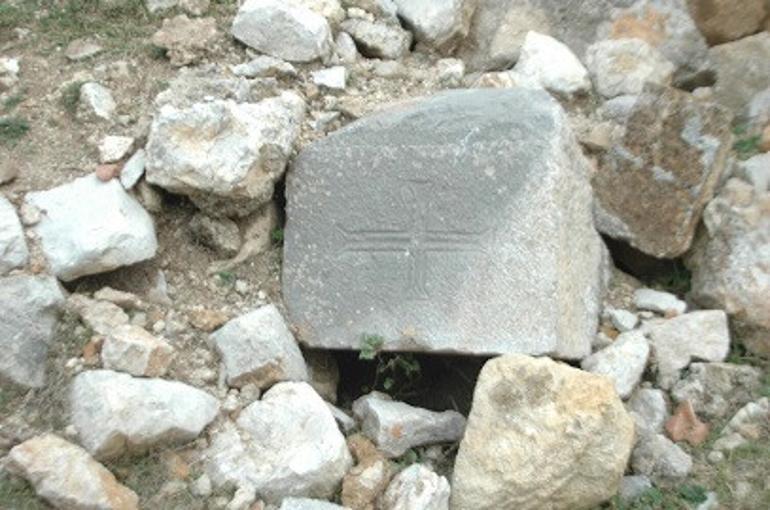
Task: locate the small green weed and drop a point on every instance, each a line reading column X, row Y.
column 17, row 494
column 277, row 235
column 12, row 102
column 396, row 373
column 370, row 346
column 226, row 278
column 70, row 97
column 747, row 147
column 12, row 129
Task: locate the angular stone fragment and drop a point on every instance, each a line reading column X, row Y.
column 438, row 24
column 684, row 425
column 96, row 100
column 623, row 362
column 186, row 40
column 90, row 227
column 750, row 423
column 632, row 487
column 659, row 301
column 258, row 348
column 265, row 66
column 722, row 21
column 13, row 246
column 29, row 308
column 552, row 65
column 657, row 457
column 286, row 444
column 395, row 426
column 622, row 320
column 729, row 262
column 378, row 39
column 309, row 504
column 743, row 70
column 133, row 350
column 701, row 335
column 219, row 234
column 652, row 187
column 623, row 66
column 417, row 488
column 649, row 409
column 225, row 156
column 67, row 477
column 715, row 388
column 101, row 316
column 561, row 433
column 114, row 148
column 395, row 228
column 286, row 30
column 368, row 479
column 115, row 413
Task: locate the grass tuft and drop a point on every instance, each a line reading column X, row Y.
column 12, row 129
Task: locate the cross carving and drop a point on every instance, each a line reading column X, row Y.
column 416, row 240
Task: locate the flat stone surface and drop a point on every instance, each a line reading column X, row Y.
column 13, row 246
column 417, row 488
column 623, row 362
column 458, row 223
column 743, row 70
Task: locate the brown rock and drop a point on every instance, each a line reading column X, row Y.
column 368, row 479
column 684, row 425
column 186, row 40
column 92, row 350
column 108, row 171
column 723, row 21
column 652, row 187
column 206, row 319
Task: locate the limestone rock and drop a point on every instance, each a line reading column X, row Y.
column 225, row 156
column 723, row 21
column 632, row 487
column 28, row 316
column 701, row 335
column 714, row 388
column 417, row 488
column 286, row 444
column 377, row 39
column 652, row 186
column 114, row 148
column 623, row 66
column 258, row 348
column 308, row 504
column 649, row 409
column 13, row 246
column 729, row 261
column 265, row 66
column 115, row 413
column 333, row 78
column 133, row 350
column 657, row 457
column 743, row 70
column 96, row 100
column 286, row 30
column 186, row 40
column 394, row 228
column 330, row 9
column 90, row 227
column 438, row 24
column 368, row 479
column 562, row 434
column 622, row 320
column 67, row 477
column 101, row 316
column 755, row 170
column 82, row 48
column 552, row 65
column 623, row 362
column 750, row 423
column 396, row 427
column 659, row 301
column 219, row 234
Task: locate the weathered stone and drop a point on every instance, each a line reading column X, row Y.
column 225, row 156
column 649, row 409
column 377, row 39
column 258, row 230
column 115, row 413
column 285, row 445
column 450, row 72
column 219, row 234
column 396, row 427
column 114, row 148
column 96, row 100
column 562, row 434
column 133, row 350
column 308, row 504
column 743, row 70
column 259, row 348
column 657, row 457
column 552, row 65
column 622, row 320
column 632, row 487
column 89, row 227
column 13, row 246
column 756, row 171
column 101, row 316
column 265, row 66
column 81, row 49
column 701, row 335
column 345, row 50
column 186, row 40
column 729, row 261
column 203, row 84
column 368, row 479
column 659, row 301
column 684, row 425
column 394, row 228
column 133, row 170
column 438, row 24
column 714, row 388
column 286, row 30
column 623, row 66
column 652, row 187
column 723, row 21
column 67, row 477
column 417, row 488
column 623, row 362
column 29, row 307
column 125, row 300
column 333, row 78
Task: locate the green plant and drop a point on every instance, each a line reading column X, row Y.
column 395, row 373
column 12, row 102
column 226, row 278
column 17, row 494
column 747, row 147
column 277, row 235
column 70, row 97
column 370, row 346
column 12, row 129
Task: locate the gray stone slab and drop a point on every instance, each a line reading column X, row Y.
column 457, row 223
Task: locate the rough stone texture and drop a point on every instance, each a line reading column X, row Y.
column 115, row 413
column 652, row 187
column 722, row 21
column 287, row 444
column 438, row 24
column 219, row 234
column 67, row 477
column 552, row 65
column 622, row 320
column 729, row 262
column 657, row 457
column 258, row 348
column 377, row 39
column 659, row 301
column 265, row 66
column 755, row 170
column 631, row 487
column 28, row 315
column 225, row 156
column 114, row 148
column 623, row 362
column 396, row 427
column 133, row 350
column 701, row 335
column 410, row 224
column 743, row 70
column 562, row 434
column 13, row 246
column 186, row 40
column 623, row 66
column 101, row 316
column 96, row 100
column 714, row 388
column 750, row 423
column 417, row 488
column 368, row 479
column 309, row 504
column 667, row 26
column 90, row 227
column 649, row 409
column 333, row 78
column 285, row 30
column 81, row 49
